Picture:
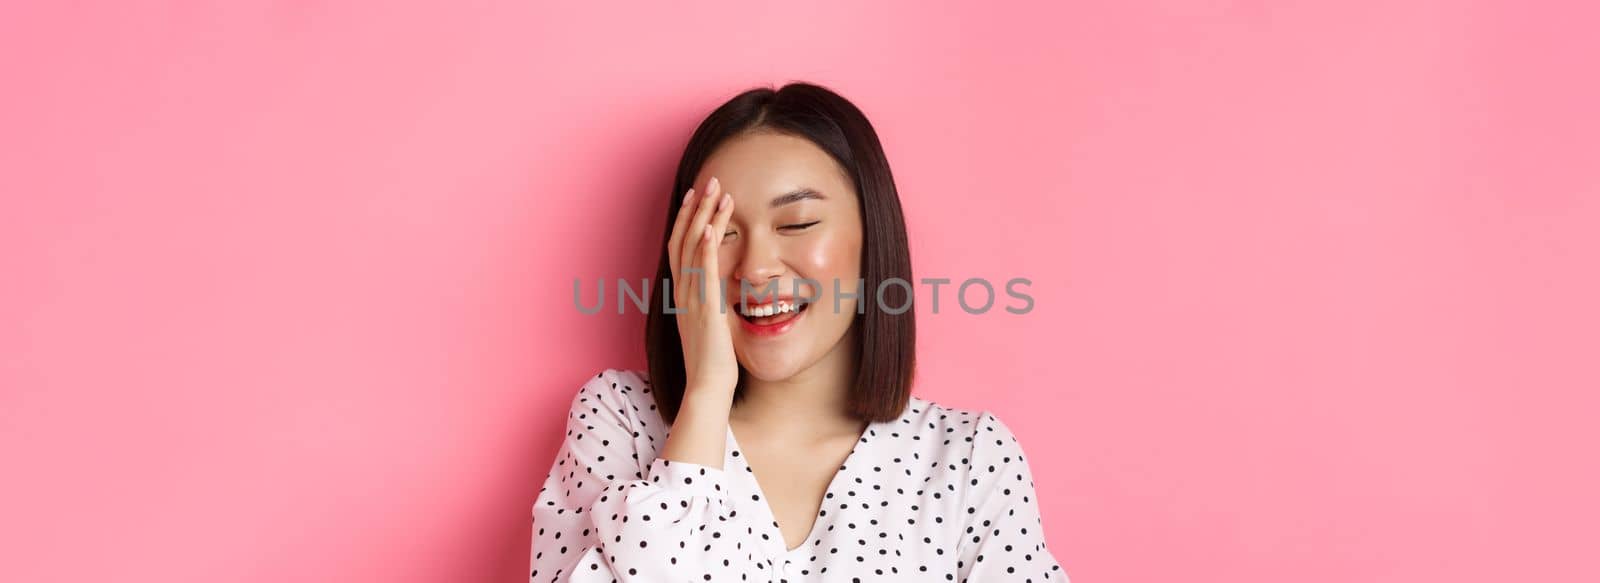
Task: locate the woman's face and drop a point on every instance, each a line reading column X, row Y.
column 796, row 222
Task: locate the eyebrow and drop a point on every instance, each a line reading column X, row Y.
column 795, row 196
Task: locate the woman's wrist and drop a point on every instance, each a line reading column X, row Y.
column 708, row 392
column 699, row 434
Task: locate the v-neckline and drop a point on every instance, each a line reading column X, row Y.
column 766, row 502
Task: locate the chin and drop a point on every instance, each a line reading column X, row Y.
column 772, row 363
column 779, row 357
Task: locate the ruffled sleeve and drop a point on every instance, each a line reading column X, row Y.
column 602, row 517
column 1003, row 533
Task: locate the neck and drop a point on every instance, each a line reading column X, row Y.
column 813, row 403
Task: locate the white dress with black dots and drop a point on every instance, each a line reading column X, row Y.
column 940, row 494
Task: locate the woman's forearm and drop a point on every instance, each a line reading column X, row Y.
column 699, row 434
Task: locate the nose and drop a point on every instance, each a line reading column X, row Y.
column 760, row 264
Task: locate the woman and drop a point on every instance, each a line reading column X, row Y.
column 805, row 353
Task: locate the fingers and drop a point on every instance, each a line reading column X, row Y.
column 675, row 242
column 711, row 247
column 718, row 227
column 694, row 235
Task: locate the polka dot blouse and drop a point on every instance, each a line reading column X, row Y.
column 939, row 494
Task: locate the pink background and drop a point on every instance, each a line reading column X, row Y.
column 287, row 288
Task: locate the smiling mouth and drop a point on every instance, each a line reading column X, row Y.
column 773, row 314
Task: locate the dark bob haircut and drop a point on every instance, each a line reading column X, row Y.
column 886, row 347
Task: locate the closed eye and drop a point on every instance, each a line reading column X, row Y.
column 794, row 227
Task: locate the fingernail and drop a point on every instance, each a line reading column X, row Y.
column 688, row 197
column 711, row 185
column 724, row 202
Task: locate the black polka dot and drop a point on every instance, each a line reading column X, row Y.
column 938, row 491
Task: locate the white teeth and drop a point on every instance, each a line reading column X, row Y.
column 768, row 310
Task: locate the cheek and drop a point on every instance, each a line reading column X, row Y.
column 826, row 257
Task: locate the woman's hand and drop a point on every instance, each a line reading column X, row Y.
column 703, row 318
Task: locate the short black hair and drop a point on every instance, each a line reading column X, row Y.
column 886, row 351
